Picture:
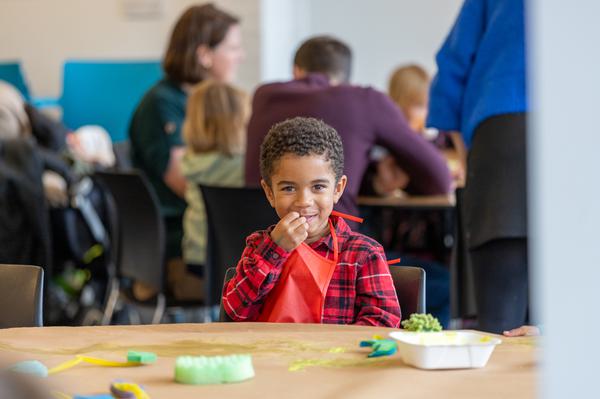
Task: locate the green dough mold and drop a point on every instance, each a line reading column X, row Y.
column 203, row 370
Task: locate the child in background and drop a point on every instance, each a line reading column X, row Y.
column 310, row 267
column 409, row 88
column 215, row 137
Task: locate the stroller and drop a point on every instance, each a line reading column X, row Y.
column 82, row 255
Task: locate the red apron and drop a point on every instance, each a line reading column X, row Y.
column 299, row 294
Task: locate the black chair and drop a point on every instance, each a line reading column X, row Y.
column 21, row 296
column 121, row 150
column 409, row 282
column 232, row 214
column 137, row 237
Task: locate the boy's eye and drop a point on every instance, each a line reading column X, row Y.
column 287, row 188
column 320, row 187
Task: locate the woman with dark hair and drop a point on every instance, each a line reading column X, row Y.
column 205, row 44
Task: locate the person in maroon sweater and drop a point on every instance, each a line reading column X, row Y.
column 363, row 116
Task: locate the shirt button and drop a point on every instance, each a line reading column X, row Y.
column 275, row 256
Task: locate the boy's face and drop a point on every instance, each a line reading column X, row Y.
column 305, row 184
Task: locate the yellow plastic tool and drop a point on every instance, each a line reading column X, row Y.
column 91, row 360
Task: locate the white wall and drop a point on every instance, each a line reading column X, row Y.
column 564, row 192
column 43, row 33
column 385, row 33
column 283, row 24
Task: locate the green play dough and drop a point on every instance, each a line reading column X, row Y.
column 203, row 370
column 141, row 357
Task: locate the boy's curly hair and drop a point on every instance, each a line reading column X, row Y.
column 301, row 136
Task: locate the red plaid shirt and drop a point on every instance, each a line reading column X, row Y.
column 361, row 289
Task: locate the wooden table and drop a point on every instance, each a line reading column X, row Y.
column 410, row 201
column 290, row 360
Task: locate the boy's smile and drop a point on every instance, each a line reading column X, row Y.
column 306, row 185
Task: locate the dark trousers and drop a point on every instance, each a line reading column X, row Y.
column 500, row 274
column 495, row 207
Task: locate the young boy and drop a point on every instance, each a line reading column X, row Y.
column 310, row 267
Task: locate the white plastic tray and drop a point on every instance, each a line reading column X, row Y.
column 445, row 350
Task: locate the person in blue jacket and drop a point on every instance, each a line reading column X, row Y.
column 480, row 91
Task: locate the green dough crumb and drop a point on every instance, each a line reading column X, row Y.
column 141, row 357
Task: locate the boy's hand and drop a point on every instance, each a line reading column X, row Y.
column 290, row 232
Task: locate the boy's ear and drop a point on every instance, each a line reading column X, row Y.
column 340, row 186
column 268, row 192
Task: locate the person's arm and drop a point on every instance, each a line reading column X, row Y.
column 523, row 331
column 422, row 162
column 256, row 274
column 376, row 301
column 454, row 61
column 158, row 143
column 258, row 126
column 173, row 177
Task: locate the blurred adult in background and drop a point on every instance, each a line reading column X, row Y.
column 205, row 43
column 480, row 91
column 41, row 164
column 364, row 117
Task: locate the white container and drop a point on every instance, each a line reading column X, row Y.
column 445, row 350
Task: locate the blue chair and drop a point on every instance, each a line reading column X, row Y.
column 105, row 93
column 12, row 73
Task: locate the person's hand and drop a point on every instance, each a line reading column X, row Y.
column 290, row 232
column 523, row 331
column 390, row 177
column 55, row 189
column 457, row 172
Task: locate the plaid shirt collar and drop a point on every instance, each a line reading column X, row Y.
column 342, row 230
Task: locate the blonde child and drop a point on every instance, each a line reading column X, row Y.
column 409, row 89
column 215, row 137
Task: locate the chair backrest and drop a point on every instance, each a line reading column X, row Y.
column 12, row 73
column 105, row 93
column 122, row 154
column 21, row 296
column 409, row 282
column 139, row 237
column 232, row 214
column 229, row 273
